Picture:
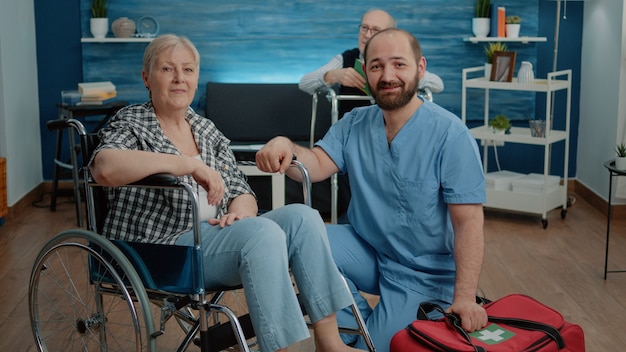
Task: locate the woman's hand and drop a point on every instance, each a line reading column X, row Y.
column 211, row 180
column 226, row 219
column 242, row 206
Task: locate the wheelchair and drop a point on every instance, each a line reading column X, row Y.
column 89, row 293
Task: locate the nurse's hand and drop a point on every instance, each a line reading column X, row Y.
column 275, row 156
column 473, row 316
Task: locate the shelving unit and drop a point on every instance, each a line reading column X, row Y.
column 523, row 40
column 539, row 203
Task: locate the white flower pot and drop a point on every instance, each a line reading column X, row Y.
column 99, row 27
column 620, row 163
column 512, row 30
column 487, row 71
column 481, row 26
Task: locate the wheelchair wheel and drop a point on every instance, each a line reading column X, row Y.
column 84, row 295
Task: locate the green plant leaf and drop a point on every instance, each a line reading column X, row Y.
column 481, row 8
column 99, row 9
column 500, row 122
column 492, row 47
column 620, row 150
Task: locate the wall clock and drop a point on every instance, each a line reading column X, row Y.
column 147, row 27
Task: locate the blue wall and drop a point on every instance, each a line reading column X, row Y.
column 279, row 41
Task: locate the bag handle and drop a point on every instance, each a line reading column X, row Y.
column 427, row 307
column 454, row 320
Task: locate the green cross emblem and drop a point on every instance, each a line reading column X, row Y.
column 492, row 334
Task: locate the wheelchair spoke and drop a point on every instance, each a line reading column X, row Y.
column 70, row 312
column 84, row 295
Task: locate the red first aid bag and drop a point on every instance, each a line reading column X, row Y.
column 516, row 323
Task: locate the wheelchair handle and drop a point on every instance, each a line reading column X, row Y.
column 306, row 181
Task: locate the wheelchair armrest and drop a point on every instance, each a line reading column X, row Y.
column 157, row 180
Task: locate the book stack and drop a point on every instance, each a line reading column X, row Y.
column 498, row 21
column 96, row 93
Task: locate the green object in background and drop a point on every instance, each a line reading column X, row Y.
column 358, row 66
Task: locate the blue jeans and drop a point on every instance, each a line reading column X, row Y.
column 258, row 252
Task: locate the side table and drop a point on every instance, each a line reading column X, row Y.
column 610, row 165
column 77, row 112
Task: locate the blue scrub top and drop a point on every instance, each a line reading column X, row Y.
column 400, row 191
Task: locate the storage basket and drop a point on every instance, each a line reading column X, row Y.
column 4, row 209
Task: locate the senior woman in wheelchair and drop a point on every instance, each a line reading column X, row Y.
column 164, row 135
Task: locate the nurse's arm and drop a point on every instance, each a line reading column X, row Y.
column 467, row 222
column 276, row 156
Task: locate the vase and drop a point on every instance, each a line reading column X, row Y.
column 99, row 27
column 123, row 27
column 537, row 128
column 620, row 163
column 525, row 74
column 487, row 71
column 512, row 30
column 481, row 26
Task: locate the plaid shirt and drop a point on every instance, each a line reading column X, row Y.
column 157, row 215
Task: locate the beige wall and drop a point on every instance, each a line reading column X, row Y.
column 603, row 86
column 19, row 107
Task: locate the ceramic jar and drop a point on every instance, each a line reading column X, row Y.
column 525, row 74
column 123, row 27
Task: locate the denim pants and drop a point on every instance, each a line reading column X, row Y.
column 257, row 252
column 365, row 271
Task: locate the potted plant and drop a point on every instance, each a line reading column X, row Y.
column 489, row 49
column 500, row 124
column 513, row 24
column 99, row 22
column 620, row 158
column 481, row 22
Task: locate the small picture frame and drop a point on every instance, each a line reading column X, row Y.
column 503, row 65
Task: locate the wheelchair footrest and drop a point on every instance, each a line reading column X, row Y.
column 221, row 336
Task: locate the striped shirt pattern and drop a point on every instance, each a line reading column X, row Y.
column 158, row 215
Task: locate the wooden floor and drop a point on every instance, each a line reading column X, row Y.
column 561, row 266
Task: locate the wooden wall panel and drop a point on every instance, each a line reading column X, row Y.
column 279, row 41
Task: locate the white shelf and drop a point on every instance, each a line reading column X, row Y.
column 518, row 135
column 523, row 40
column 534, row 203
column 538, row 85
column 116, row 40
column 525, row 202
